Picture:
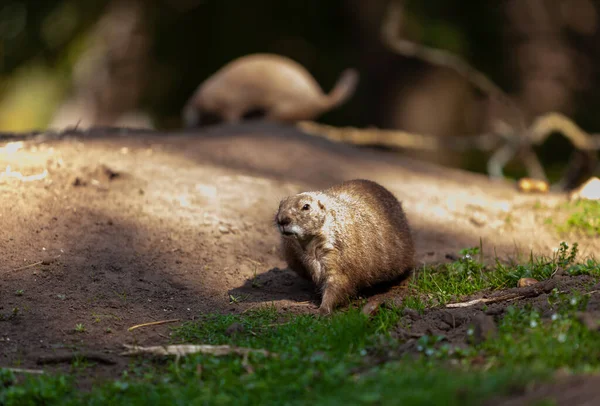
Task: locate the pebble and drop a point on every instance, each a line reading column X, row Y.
column 524, row 282
column 372, row 307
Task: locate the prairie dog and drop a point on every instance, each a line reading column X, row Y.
column 276, row 85
column 345, row 238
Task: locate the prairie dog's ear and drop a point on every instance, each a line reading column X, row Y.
column 321, row 205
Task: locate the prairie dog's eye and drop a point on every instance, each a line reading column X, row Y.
column 306, row 207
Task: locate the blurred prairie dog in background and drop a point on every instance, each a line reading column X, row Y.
column 274, row 85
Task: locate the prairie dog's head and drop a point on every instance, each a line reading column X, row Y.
column 300, row 216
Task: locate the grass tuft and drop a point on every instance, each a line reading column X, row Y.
column 438, row 285
column 583, row 218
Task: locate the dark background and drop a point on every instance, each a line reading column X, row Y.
column 135, row 62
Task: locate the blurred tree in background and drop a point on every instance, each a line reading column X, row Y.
column 135, row 62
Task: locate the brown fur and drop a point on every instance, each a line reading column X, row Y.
column 276, row 85
column 350, row 236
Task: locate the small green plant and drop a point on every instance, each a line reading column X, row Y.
column 589, row 267
column 584, row 218
column 564, row 257
column 80, row 328
column 19, row 292
column 80, row 363
column 255, row 283
column 237, row 299
column 122, row 295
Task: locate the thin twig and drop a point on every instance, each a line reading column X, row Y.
column 28, row 266
column 510, row 296
column 34, row 264
column 186, row 349
column 153, row 323
column 24, row 371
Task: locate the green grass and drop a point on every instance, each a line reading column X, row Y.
column 467, row 275
column 583, row 218
column 337, row 360
column 315, row 364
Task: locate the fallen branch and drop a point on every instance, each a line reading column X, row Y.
column 187, row 349
column 28, row 266
column 397, row 139
column 502, row 145
column 552, row 122
column 153, row 323
column 485, row 300
column 43, row 262
column 515, row 294
column 23, row 371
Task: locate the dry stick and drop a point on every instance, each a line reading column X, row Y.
column 510, row 296
column 28, row 266
column 24, row 371
column 530, row 291
column 545, row 125
column 396, row 139
column 153, row 323
column 186, row 349
column 540, row 129
column 34, row 264
column 549, row 123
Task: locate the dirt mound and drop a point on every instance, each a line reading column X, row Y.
column 99, row 234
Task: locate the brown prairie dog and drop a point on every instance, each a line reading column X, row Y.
column 345, row 238
column 276, row 85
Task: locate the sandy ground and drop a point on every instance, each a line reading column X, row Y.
column 138, row 227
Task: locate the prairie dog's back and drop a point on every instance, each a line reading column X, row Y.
column 274, row 86
column 372, row 230
column 268, row 76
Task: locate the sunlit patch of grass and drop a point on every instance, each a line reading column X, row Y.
column 468, row 274
column 584, row 218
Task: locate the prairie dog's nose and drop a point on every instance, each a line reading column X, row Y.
column 284, row 221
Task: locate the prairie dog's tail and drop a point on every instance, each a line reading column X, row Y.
column 344, row 88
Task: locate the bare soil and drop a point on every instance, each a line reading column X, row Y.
column 135, row 227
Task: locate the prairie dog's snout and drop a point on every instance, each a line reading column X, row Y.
column 299, row 215
column 284, row 224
